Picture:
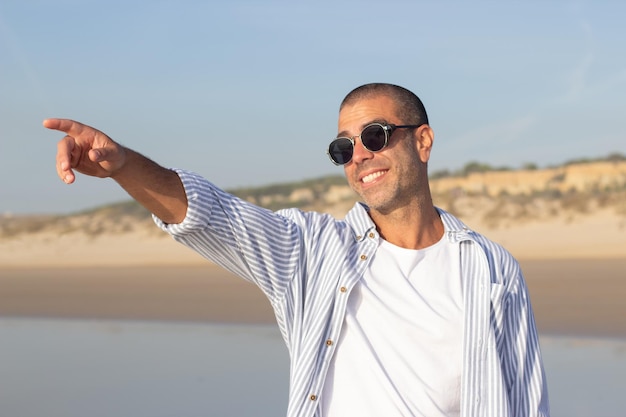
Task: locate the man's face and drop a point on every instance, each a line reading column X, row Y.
column 388, row 179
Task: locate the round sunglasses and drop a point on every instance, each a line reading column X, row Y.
column 374, row 137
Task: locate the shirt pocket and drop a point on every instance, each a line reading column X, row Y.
column 497, row 298
column 497, row 294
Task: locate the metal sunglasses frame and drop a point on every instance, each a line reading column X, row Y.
column 387, row 128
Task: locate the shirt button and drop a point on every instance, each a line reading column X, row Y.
column 343, row 289
column 363, row 257
column 313, row 397
column 359, row 237
column 329, row 342
column 372, row 235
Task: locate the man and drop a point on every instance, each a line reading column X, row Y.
column 398, row 310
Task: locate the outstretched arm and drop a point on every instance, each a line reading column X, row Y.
column 91, row 152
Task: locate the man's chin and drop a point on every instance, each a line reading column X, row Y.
column 375, row 202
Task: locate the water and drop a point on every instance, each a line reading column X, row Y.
column 72, row 368
column 57, row 368
column 586, row 377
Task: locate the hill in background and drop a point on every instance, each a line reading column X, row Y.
column 494, row 197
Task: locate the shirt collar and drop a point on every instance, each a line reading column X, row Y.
column 360, row 221
column 361, row 224
column 456, row 230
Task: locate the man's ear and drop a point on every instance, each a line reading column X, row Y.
column 425, row 139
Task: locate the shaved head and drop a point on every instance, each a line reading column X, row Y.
column 409, row 107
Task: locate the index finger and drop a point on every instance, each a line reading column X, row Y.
column 68, row 126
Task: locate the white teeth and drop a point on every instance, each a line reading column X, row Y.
column 372, row 177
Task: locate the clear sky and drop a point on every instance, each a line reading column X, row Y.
column 246, row 92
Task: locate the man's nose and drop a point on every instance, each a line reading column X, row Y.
column 359, row 153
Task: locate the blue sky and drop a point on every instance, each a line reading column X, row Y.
column 247, row 92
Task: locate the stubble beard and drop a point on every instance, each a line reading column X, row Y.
column 384, row 198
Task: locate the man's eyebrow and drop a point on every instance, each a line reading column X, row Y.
column 346, row 134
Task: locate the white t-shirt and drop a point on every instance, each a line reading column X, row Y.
column 400, row 350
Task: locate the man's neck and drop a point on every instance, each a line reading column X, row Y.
column 415, row 227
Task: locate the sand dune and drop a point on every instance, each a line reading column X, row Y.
column 601, row 235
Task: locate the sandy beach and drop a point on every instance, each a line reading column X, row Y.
column 570, row 297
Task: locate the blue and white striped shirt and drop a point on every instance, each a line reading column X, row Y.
column 306, row 263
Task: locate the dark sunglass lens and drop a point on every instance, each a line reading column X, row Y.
column 340, row 150
column 373, row 138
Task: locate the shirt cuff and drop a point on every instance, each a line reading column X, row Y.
column 200, row 194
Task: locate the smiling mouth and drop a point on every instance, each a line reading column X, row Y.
column 371, row 177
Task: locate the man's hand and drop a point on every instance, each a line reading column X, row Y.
column 86, row 150
column 91, row 152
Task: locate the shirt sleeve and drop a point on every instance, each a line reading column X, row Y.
column 259, row 245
